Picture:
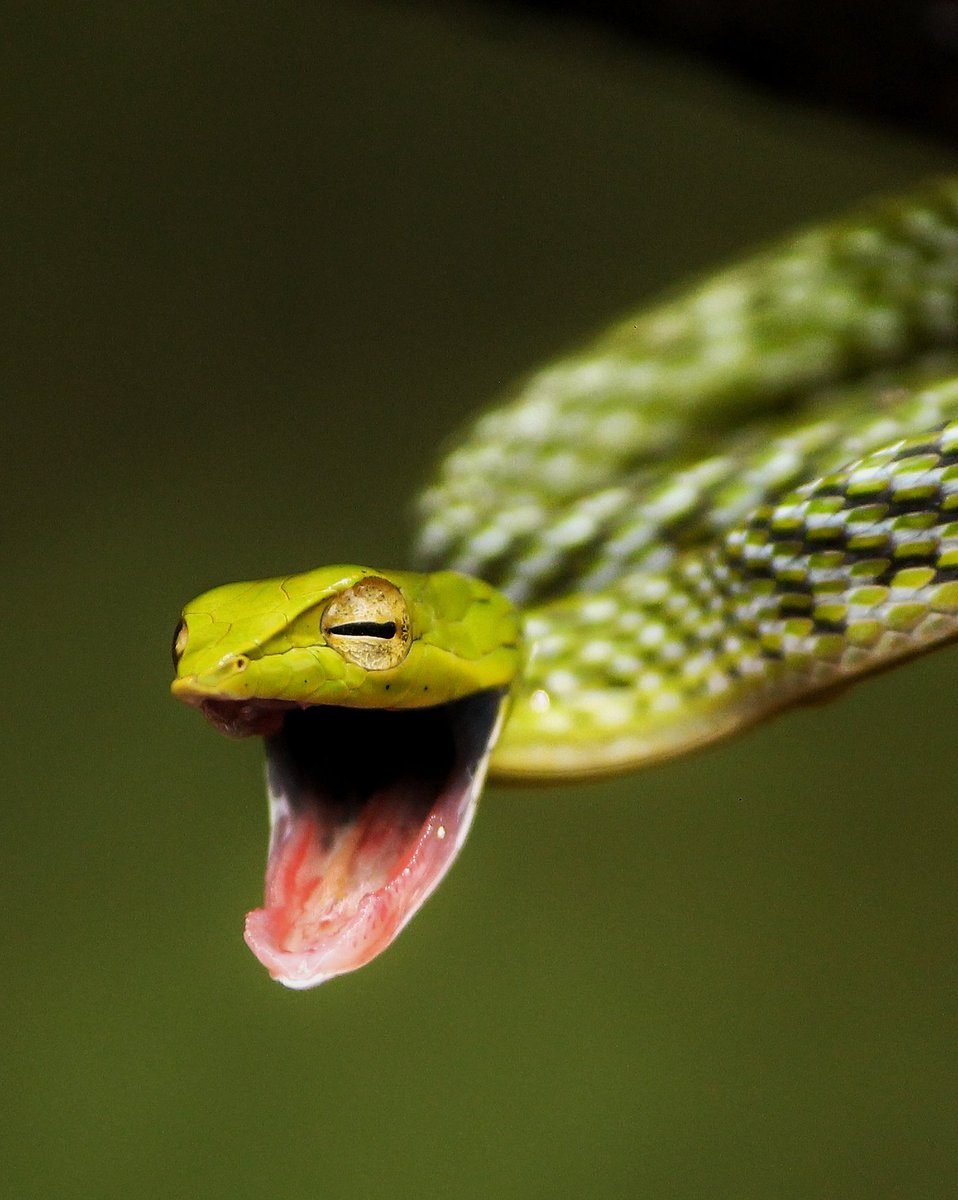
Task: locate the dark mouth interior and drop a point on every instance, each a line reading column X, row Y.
column 369, row 809
column 374, row 777
column 342, row 758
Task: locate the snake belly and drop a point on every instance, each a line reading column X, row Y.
column 730, row 503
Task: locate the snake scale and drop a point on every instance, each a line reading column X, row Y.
column 737, row 500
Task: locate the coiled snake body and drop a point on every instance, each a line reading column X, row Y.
column 737, row 500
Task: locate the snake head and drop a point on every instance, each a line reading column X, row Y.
column 380, row 696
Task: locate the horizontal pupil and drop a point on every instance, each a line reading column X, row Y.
column 385, row 629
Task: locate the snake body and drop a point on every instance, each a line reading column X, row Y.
column 737, row 500
column 727, row 503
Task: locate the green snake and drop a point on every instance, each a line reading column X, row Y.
column 737, row 500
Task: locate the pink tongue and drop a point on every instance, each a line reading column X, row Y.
column 337, row 896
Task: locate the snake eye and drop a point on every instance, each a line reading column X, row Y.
column 180, row 638
column 369, row 624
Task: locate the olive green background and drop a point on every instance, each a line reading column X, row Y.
column 258, row 262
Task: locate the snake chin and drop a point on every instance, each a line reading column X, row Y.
column 369, row 809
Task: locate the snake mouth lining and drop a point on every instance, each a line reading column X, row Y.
column 369, row 808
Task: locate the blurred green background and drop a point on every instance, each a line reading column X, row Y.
column 258, row 262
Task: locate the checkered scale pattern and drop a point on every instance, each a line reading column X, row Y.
column 734, row 502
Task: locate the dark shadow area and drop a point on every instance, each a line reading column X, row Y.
column 894, row 61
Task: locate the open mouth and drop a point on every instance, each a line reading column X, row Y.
column 368, row 810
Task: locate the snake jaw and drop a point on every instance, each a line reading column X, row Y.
column 368, row 812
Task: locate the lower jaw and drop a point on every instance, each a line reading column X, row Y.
column 369, row 809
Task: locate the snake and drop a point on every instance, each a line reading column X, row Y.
column 739, row 499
